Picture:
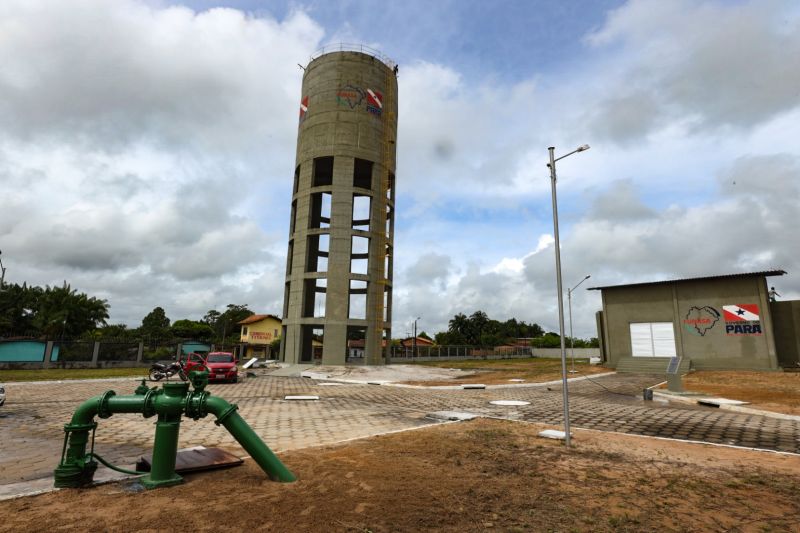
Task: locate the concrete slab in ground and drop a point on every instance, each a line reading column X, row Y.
column 452, row 416
column 289, row 371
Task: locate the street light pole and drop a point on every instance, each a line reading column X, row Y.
column 564, row 390
column 571, row 339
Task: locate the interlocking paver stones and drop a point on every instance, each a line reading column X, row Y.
column 32, row 420
column 32, row 423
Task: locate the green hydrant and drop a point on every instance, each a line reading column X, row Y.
column 175, row 400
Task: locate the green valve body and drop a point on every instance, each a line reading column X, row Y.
column 165, row 446
column 169, row 404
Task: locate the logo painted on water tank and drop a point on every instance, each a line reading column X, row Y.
column 303, row 108
column 350, row 95
column 374, row 102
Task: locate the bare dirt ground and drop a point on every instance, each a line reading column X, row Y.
column 768, row 391
column 483, row 475
column 387, row 373
column 500, row 371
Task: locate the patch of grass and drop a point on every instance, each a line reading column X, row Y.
column 623, row 521
column 493, row 434
column 54, row 374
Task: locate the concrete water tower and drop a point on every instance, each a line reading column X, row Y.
column 339, row 261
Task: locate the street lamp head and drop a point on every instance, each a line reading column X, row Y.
column 582, row 148
column 588, row 276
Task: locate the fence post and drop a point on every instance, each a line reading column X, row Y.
column 48, row 354
column 95, row 352
column 140, row 353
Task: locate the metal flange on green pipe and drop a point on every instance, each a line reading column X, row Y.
column 169, row 404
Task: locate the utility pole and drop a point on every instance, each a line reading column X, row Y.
column 414, row 349
column 2, row 272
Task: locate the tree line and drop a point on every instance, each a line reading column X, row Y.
column 49, row 311
column 478, row 329
column 63, row 312
column 214, row 326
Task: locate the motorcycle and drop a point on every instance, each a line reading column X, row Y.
column 159, row 371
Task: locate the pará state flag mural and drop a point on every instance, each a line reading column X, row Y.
column 303, row 108
column 375, row 98
column 741, row 313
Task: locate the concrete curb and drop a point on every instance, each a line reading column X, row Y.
column 489, row 387
column 696, row 400
column 80, row 380
column 44, row 485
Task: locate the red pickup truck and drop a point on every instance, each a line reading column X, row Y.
column 221, row 365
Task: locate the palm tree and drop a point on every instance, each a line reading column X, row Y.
column 478, row 321
column 17, row 303
column 63, row 312
column 459, row 324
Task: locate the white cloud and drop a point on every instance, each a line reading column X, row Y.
column 111, row 73
column 746, row 231
column 132, row 142
column 714, row 65
column 146, row 157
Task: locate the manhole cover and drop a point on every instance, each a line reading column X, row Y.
column 509, row 402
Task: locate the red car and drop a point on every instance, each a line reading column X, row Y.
column 221, row 365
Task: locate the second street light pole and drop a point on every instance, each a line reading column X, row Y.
column 571, row 339
column 564, row 389
column 414, row 342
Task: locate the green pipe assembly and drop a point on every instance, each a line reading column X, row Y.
column 169, row 404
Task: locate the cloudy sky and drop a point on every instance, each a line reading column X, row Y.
column 147, row 147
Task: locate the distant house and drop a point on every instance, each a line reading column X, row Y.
column 421, row 341
column 523, row 342
column 258, row 332
column 355, row 348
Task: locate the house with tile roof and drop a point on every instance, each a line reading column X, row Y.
column 258, row 332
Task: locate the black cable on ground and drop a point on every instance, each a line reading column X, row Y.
column 112, row 467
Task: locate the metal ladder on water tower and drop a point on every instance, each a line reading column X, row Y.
column 388, row 116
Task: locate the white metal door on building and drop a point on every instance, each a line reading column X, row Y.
column 652, row 339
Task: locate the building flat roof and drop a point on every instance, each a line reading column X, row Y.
column 764, row 273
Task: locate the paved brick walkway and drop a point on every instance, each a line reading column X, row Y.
column 32, row 420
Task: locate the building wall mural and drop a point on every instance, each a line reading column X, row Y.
column 700, row 320
column 742, row 319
